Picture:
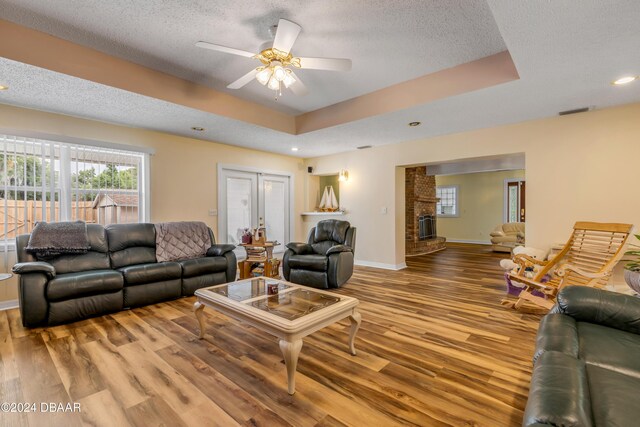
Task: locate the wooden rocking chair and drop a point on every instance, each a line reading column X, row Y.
column 587, row 259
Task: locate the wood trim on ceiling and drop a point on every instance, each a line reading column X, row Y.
column 479, row 74
column 52, row 53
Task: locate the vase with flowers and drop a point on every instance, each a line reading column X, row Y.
column 246, row 236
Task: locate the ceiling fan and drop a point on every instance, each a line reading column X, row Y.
column 276, row 58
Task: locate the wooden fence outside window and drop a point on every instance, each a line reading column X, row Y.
column 22, row 215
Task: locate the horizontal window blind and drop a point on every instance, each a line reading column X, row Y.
column 51, row 181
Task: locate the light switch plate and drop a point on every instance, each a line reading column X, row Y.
column 383, row 210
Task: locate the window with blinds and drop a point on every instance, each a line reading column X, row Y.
column 447, row 204
column 51, row 181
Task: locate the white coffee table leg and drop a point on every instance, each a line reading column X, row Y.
column 291, row 351
column 198, row 309
column 355, row 319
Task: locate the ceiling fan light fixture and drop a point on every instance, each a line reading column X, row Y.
column 276, row 58
column 264, row 75
column 288, row 79
column 273, row 83
column 279, row 72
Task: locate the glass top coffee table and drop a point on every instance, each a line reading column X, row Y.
column 285, row 310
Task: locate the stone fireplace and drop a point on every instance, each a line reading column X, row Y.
column 420, row 217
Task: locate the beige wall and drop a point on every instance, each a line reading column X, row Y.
column 480, row 205
column 183, row 170
column 581, row 166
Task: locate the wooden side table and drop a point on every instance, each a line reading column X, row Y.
column 258, row 253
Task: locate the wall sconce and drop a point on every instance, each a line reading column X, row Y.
column 343, row 175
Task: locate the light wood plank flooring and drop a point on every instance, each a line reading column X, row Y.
column 435, row 348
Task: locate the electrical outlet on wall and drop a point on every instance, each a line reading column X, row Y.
column 213, row 212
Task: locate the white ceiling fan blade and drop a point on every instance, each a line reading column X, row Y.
column 286, row 35
column 331, row 64
column 298, row 88
column 220, row 48
column 243, row 80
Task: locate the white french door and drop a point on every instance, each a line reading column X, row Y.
column 238, row 205
column 274, row 207
column 245, row 197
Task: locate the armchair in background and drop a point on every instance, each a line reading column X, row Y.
column 326, row 260
column 507, row 236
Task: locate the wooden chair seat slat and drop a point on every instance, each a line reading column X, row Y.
column 586, row 264
column 596, row 247
column 590, row 255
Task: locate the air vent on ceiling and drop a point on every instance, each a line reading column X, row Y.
column 363, row 147
column 576, row 111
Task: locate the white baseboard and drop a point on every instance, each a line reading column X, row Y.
column 9, row 304
column 381, row 265
column 474, row 242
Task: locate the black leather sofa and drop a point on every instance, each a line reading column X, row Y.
column 587, row 361
column 326, row 260
column 119, row 271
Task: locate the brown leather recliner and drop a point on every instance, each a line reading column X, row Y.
column 326, row 260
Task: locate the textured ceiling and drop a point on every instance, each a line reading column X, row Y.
column 566, row 57
column 387, row 45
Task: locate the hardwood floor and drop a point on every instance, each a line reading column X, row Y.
column 435, row 348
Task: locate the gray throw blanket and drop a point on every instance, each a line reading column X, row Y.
column 57, row 238
column 181, row 240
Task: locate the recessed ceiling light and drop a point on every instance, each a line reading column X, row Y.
column 197, row 129
column 294, row 148
column 413, row 124
column 624, row 80
column 4, row 87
